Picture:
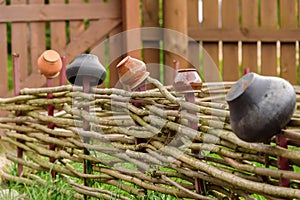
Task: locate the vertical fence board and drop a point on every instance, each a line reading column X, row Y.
column 103, row 53
column 19, row 42
column 175, row 18
column 58, row 34
column 3, row 59
column 230, row 20
column 193, row 48
column 76, row 27
column 249, row 21
column 211, row 49
column 131, row 20
column 91, row 22
column 288, row 20
column 268, row 50
column 37, row 39
column 115, row 55
column 58, row 31
column 151, row 50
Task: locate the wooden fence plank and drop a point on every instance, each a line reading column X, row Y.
column 240, row 34
column 58, row 31
column 3, row 58
column 115, row 55
column 102, row 53
column 88, row 38
column 54, row 12
column 249, row 21
column 131, row 20
column 76, row 26
column 37, row 39
column 151, row 50
column 288, row 20
column 194, row 47
column 230, row 19
column 268, row 50
column 211, row 49
column 175, row 45
column 19, row 42
column 58, row 34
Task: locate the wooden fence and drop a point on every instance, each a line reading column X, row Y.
column 261, row 35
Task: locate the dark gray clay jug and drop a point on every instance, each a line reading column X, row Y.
column 260, row 106
column 86, row 65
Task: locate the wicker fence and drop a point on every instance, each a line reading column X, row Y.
column 141, row 141
column 261, row 35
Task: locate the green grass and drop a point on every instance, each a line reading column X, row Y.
column 59, row 189
column 53, row 189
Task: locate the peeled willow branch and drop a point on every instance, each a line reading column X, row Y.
column 230, row 178
column 224, row 151
column 19, row 107
column 55, row 120
column 20, row 136
column 48, row 165
column 33, row 91
column 258, row 147
column 21, row 161
column 97, row 190
column 188, row 105
column 103, row 137
column 20, row 119
column 51, row 140
column 193, row 194
column 52, row 154
column 90, row 118
column 53, row 132
column 42, row 102
column 145, row 185
column 82, row 175
column 263, row 171
column 16, row 179
column 16, row 99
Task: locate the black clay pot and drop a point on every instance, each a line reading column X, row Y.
column 260, row 106
column 86, row 65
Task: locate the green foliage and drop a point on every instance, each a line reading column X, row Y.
column 54, row 189
column 58, row 189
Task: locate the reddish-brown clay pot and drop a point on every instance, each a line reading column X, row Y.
column 49, row 63
column 132, row 72
column 187, row 80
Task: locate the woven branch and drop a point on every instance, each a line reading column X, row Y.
column 150, row 131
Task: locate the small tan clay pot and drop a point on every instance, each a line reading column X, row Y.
column 49, row 63
column 187, row 80
column 132, row 72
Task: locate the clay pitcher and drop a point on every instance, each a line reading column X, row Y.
column 187, row 80
column 86, row 65
column 260, row 106
column 132, row 72
column 49, row 64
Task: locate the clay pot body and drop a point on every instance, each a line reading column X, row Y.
column 86, row 66
column 260, row 106
column 187, row 80
column 132, row 72
column 49, row 63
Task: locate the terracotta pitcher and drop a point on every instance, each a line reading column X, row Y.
column 49, row 63
column 187, row 80
column 260, row 106
column 132, row 72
